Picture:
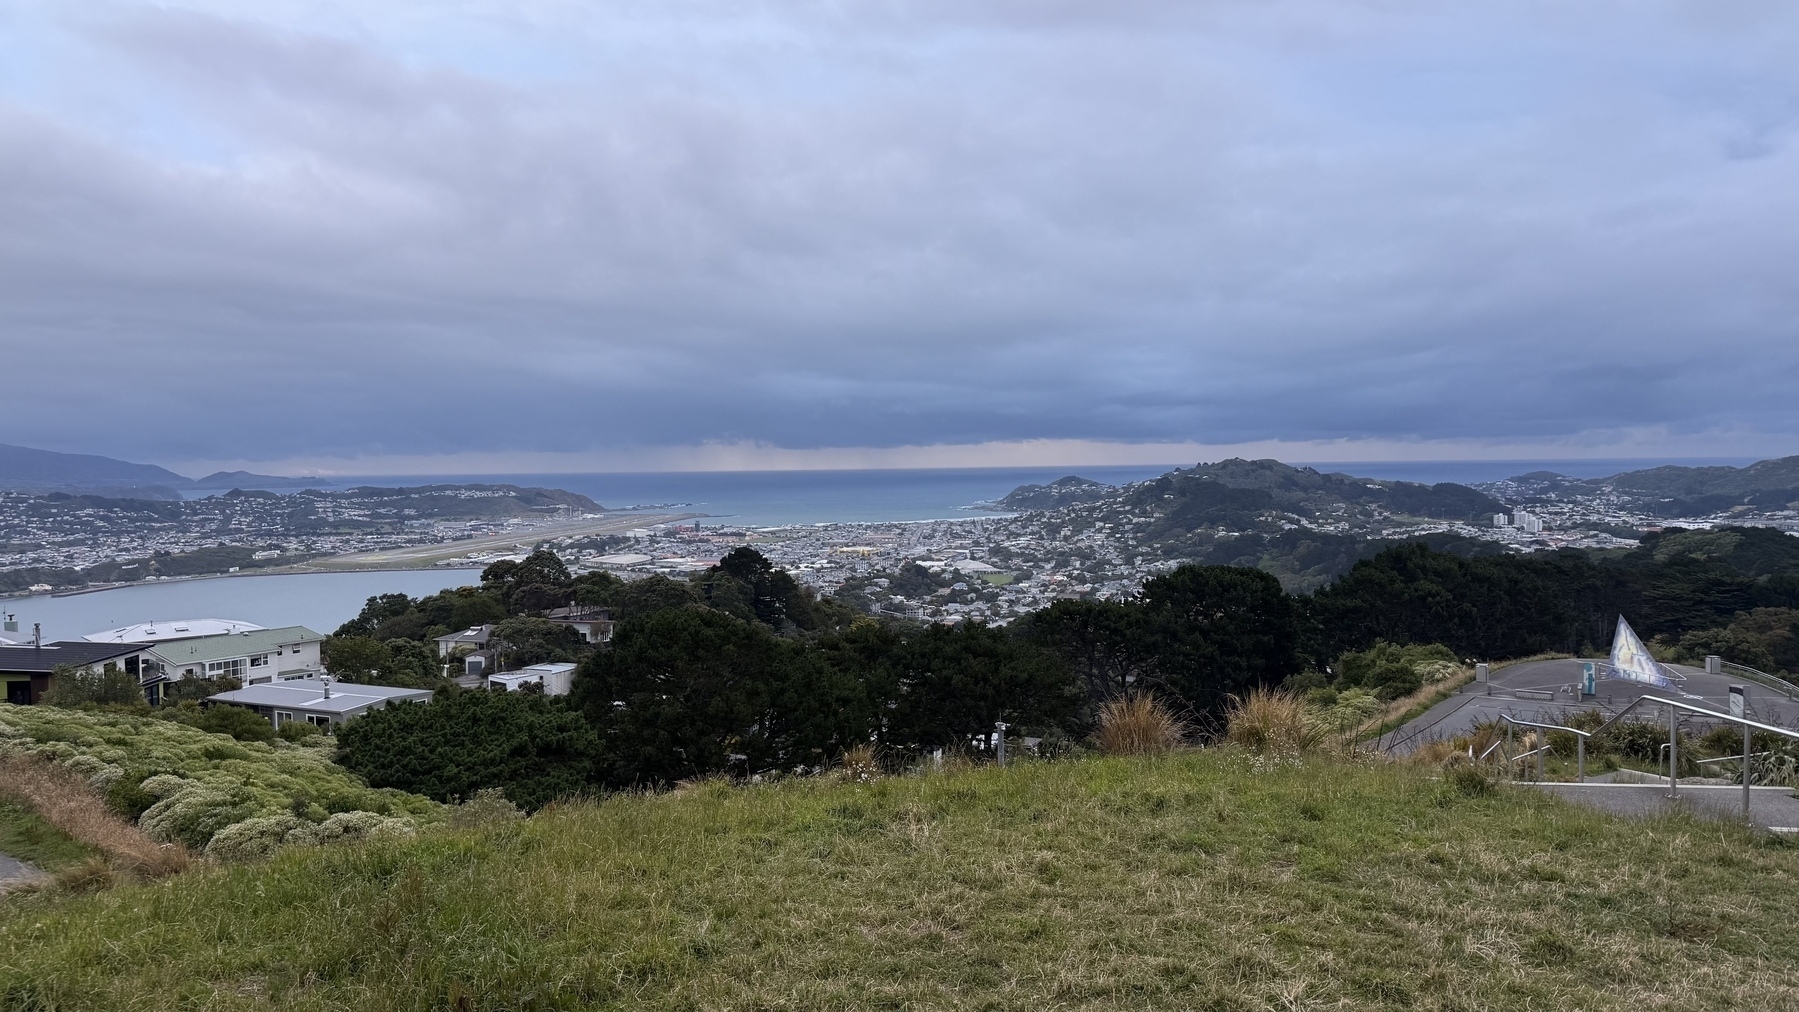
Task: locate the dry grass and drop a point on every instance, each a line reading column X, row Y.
column 63, row 799
column 860, row 765
column 1137, row 723
column 1268, row 720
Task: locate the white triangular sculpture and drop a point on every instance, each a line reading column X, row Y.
column 1631, row 659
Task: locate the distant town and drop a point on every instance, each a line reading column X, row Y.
column 1071, row 539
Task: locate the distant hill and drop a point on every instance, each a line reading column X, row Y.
column 1230, row 492
column 1064, row 491
column 246, row 479
column 1675, row 491
column 27, row 468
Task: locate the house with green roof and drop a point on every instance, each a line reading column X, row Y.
column 253, row 657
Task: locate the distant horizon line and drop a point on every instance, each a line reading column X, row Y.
column 1651, row 461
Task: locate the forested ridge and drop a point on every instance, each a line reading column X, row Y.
column 741, row 671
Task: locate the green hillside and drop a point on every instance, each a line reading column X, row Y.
column 1208, row 880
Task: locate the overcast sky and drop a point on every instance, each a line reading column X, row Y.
column 679, row 233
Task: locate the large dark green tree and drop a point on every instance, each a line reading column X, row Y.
column 690, row 692
column 534, row 747
column 949, row 684
column 1216, row 631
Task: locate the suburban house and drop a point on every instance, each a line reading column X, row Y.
column 469, row 646
column 556, row 678
column 317, row 701
column 474, row 638
column 594, row 624
column 253, row 657
column 27, row 669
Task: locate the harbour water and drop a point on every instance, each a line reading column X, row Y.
column 319, row 601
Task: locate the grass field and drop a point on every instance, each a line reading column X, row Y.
column 1208, row 880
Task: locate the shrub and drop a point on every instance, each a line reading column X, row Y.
column 1137, row 723
column 1390, row 670
column 184, row 784
column 72, row 686
column 1271, row 721
column 535, row 748
column 239, row 723
column 1467, row 780
column 297, row 731
column 489, row 805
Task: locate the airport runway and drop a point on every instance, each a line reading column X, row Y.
column 426, row 556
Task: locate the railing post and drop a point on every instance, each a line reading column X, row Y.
column 1673, row 751
column 1580, row 759
column 1542, row 746
column 1739, row 707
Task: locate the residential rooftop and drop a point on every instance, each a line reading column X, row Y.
column 218, row 648
column 172, row 629
column 311, row 694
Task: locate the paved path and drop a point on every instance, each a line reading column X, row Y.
column 1772, row 808
column 1545, row 691
column 14, row 872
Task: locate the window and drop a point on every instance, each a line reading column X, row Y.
column 318, row 718
column 283, row 717
column 259, row 660
column 233, row 668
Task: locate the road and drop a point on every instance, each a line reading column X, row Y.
column 1544, row 691
column 426, row 556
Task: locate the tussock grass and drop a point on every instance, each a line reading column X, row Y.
column 1186, row 880
column 1272, row 721
column 62, row 798
column 1137, row 723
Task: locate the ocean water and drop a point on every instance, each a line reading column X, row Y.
column 771, row 498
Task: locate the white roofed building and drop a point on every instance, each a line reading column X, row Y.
column 174, row 629
column 318, row 701
column 556, row 678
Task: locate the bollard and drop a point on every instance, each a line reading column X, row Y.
column 1580, row 759
column 999, row 727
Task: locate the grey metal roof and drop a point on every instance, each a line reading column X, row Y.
column 309, row 694
column 36, row 660
column 243, row 644
column 474, row 634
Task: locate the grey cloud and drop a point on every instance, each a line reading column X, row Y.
column 903, row 223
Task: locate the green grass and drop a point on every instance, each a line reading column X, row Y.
column 1193, row 881
column 28, row 838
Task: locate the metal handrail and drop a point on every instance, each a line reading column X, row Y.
column 1580, row 745
column 1761, row 678
column 1674, row 706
